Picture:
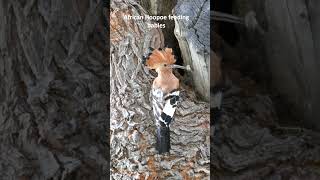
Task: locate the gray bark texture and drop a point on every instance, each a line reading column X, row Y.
column 133, row 154
column 53, row 90
column 162, row 7
column 248, row 144
column 194, row 40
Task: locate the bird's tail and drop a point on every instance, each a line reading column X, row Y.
column 163, row 139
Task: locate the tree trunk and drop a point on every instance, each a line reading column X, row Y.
column 250, row 140
column 53, row 94
column 194, row 40
column 292, row 54
column 133, row 126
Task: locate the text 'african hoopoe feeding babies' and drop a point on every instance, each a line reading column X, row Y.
column 165, row 93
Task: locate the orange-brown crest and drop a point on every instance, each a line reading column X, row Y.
column 159, row 57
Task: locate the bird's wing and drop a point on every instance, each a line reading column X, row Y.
column 164, row 106
column 157, row 104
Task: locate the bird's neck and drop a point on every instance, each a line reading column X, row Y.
column 165, row 73
column 166, row 80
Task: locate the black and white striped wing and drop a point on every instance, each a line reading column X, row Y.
column 164, row 106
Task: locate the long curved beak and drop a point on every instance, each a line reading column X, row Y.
column 188, row 68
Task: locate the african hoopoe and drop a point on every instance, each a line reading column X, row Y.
column 164, row 94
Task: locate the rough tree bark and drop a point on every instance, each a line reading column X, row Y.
column 248, row 142
column 132, row 123
column 53, row 94
column 194, row 40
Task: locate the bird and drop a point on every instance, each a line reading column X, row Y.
column 164, row 94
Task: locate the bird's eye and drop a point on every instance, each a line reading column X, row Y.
column 165, row 65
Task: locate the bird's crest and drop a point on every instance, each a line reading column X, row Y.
column 159, row 57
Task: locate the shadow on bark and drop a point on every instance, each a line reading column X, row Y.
column 53, row 90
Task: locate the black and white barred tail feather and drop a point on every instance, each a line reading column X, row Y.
column 164, row 106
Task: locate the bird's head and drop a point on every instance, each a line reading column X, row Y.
column 159, row 59
column 162, row 60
